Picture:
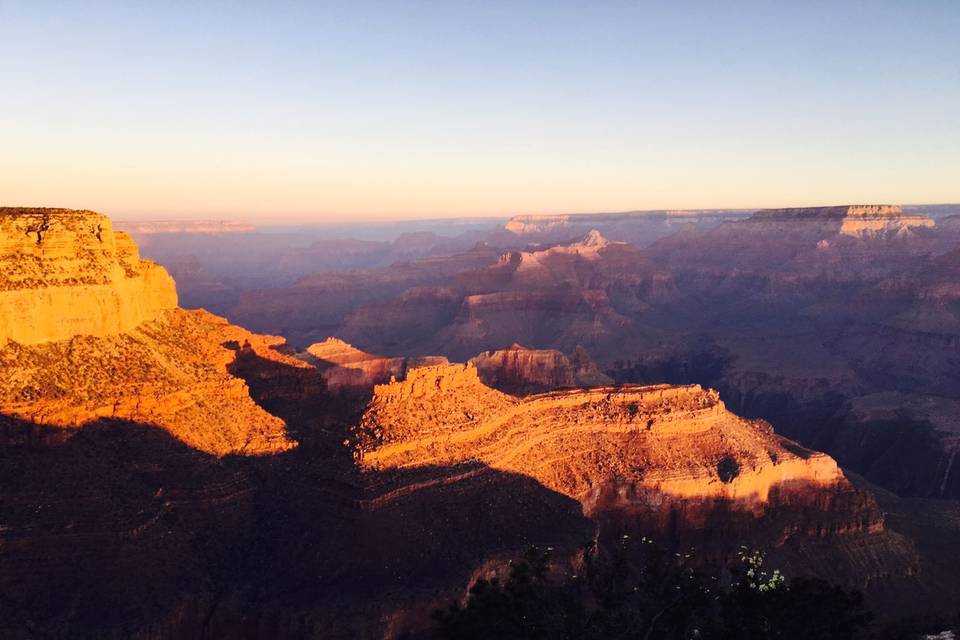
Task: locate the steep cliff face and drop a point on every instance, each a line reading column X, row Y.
column 851, row 220
column 90, row 332
column 664, row 461
column 343, row 366
column 522, row 370
column 677, row 440
column 68, row 273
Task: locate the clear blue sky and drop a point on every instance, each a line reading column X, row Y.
column 352, row 110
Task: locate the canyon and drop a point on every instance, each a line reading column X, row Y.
column 547, row 394
column 792, row 314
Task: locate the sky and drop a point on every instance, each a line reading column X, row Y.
column 353, row 110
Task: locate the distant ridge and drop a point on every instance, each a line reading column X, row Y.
column 184, row 226
column 870, row 211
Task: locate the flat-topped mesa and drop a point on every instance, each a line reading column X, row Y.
column 67, row 273
column 853, row 220
column 675, row 442
column 519, row 369
column 844, row 211
column 535, row 223
column 343, row 366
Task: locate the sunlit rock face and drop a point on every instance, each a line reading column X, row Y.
column 90, row 332
column 172, row 372
column 68, row 273
column 851, row 220
column 519, row 369
column 675, row 441
column 343, row 366
column 669, row 462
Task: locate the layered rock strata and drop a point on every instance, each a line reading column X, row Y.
column 343, row 366
column 90, row 332
column 665, row 461
column 68, row 273
column 519, row 369
column 677, row 440
column 850, row 220
column 172, row 372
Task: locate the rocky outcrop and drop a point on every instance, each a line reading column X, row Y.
column 440, row 477
column 850, row 220
column 664, row 461
column 440, row 399
column 519, row 369
column 171, row 372
column 90, row 332
column 677, row 440
column 343, row 366
column 68, row 273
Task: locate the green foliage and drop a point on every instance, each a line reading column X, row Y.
column 761, row 605
column 640, row 591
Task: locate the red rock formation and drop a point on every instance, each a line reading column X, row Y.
column 67, row 273
column 91, row 332
column 450, row 475
column 343, row 366
column 673, row 440
column 522, row 370
column 571, row 294
column 666, row 461
column 171, row 372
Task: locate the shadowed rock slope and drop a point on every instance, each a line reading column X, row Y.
column 667, row 461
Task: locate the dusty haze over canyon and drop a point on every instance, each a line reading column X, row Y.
column 350, row 449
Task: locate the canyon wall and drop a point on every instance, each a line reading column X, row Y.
column 89, row 333
column 522, row 370
column 850, row 220
column 677, row 440
column 68, row 273
column 343, row 366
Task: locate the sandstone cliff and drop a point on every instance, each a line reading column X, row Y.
column 172, row 372
column 665, row 461
column 68, row 273
column 680, row 441
column 449, row 476
column 851, row 220
column 519, row 369
column 90, row 332
column 343, row 366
